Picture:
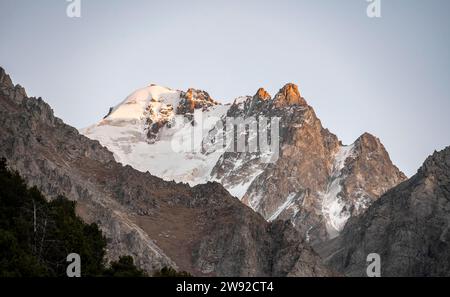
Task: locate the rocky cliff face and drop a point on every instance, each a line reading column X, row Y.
column 316, row 183
column 203, row 229
column 408, row 227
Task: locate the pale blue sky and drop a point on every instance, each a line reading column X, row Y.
column 387, row 76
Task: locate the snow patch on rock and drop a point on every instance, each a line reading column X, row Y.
column 334, row 209
column 290, row 200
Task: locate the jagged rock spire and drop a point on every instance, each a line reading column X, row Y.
column 262, row 94
column 289, row 95
column 5, row 80
column 8, row 88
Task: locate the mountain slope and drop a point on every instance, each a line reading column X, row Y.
column 408, row 227
column 202, row 230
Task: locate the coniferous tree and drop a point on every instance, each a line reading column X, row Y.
column 36, row 236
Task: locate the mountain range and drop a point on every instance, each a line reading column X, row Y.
column 316, row 183
column 146, row 175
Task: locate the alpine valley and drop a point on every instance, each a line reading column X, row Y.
column 146, row 174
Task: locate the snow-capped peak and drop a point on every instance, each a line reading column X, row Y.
column 138, row 103
column 144, row 130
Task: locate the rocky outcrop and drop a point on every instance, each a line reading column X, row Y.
column 153, row 126
column 289, row 95
column 194, row 99
column 202, row 230
column 262, row 94
column 160, row 114
column 408, row 227
column 15, row 92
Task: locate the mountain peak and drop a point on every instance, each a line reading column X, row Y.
column 289, row 95
column 262, row 94
column 438, row 163
column 17, row 92
column 367, row 137
column 137, row 103
column 5, row 80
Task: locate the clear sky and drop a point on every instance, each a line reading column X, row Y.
column 388, row 76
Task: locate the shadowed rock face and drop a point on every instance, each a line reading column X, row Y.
column 408, row 227
column 202, row 230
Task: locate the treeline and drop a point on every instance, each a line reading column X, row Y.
column 36, row 236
